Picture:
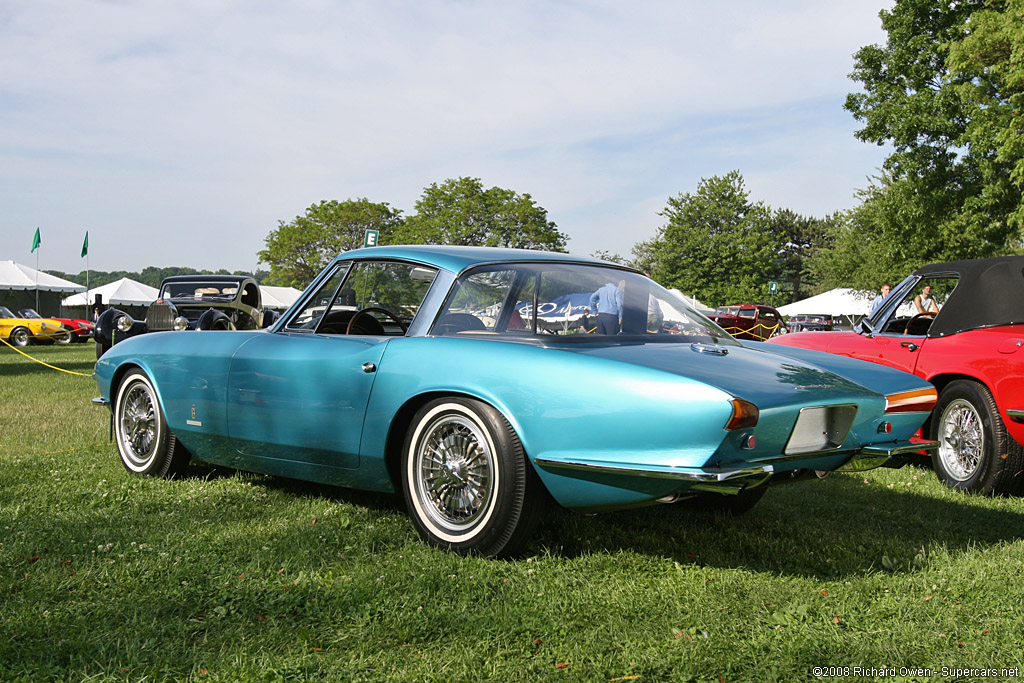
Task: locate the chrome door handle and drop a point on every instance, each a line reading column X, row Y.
column 369, row 367
column 910, row 346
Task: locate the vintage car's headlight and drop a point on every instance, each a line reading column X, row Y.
column 180, row 323
column 124, row 323
column 918, row 401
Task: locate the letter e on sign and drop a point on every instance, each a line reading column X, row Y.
column 370, row 238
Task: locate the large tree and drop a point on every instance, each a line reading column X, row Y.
column 944, row 92
column 298, row 250
column 716, row 245
column 461, row 211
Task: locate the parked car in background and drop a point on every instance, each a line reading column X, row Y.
column 750, row 321
column 190, row 302
column 21, row 332
column 811, row 322
column 81, row 330
column 969, row 346
column 422, row 370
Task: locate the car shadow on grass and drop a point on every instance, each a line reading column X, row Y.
column 841, row 526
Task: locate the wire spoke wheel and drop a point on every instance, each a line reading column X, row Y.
column 456, row 472
column 466, row 480
column 144, row 441
column 961, row 439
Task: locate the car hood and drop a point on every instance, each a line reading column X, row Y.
column 763, row 375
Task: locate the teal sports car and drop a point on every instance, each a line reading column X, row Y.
column 485, row 383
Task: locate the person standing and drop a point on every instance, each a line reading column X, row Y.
column 880, row 299
column 607, row 303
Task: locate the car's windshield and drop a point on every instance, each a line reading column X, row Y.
column 29, row 313
column 576, row 302
column 200, row 291
column 5, row 312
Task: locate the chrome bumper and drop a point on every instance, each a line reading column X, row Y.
column 736, row 478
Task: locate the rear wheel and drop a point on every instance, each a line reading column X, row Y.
column 144, row 441
column 466, row 480
column 975, row 451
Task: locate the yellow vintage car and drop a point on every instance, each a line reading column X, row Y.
column 24, row 331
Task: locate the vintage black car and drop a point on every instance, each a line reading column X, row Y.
column 190, row 302
column 812, row 322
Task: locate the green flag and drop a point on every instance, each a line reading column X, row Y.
column 85, row 244
column 36, row 241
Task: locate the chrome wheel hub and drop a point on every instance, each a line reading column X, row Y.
column 138, row 424
column 961, row 439
column 455, row 468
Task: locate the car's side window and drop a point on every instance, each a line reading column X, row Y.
column 477, row 304
column 368, row 298
column 919, row 306
column 309, row 317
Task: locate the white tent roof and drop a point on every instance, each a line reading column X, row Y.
column 840, row 301
column 123, row 292
column 692, row 300
column 16, row 276
column 279, row 297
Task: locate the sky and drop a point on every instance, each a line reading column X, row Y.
column 181, row 133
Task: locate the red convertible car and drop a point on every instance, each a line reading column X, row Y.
column 959, row 325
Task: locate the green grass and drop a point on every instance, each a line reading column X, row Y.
column 227, row 576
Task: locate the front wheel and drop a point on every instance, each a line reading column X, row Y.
column 467, row 484
column 144, row 441
column 20, row 337
column 975, row 452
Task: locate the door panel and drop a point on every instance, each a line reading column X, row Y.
column 302, row 397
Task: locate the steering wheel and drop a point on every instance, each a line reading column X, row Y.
column 375, row 309
column 926, row 314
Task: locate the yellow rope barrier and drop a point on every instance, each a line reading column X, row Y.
column 754, row 331
column 36, row 360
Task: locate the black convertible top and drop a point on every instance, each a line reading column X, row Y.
column 990, row 293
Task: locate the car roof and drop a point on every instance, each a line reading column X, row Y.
column 990, row 292
column 206, row 278
column 458, row 258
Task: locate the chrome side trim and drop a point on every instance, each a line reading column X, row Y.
column 899, row 448
column 100, row 401
column 700, row 475
column 1015, row 414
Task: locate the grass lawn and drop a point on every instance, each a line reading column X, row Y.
column 227, row 576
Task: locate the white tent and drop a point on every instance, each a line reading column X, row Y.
column 279, row 297
column 840, row 301
column 692, row 300
column 123, row 292
column 16, row 276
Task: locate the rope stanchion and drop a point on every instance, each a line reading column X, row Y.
column 36, row 360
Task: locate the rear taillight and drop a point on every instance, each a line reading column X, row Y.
column 744, row 415
column 917, row 401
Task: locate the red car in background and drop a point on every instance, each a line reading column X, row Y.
column 959, row 325
column 755, row 322
column 81, row 330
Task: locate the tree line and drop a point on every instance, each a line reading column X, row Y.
column 945, row 93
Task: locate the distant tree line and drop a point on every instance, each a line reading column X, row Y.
column 151, row 276
column 945, row 94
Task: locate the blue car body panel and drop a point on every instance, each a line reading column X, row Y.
column 605, row 424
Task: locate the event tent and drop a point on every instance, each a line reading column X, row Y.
column 123, row 292
column 25, row 287
column 279, row 298
column 16, row 276
column 840, row 301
